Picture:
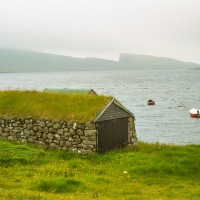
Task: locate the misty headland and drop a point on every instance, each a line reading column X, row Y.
column 12, row 60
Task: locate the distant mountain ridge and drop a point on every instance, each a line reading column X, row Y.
column 30, row 61
column 152, row 62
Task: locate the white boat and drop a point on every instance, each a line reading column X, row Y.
column 194, row 113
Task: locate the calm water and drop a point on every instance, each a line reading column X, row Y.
column 175, row 92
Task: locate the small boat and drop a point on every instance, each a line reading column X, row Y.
column 194, row 113
column 150, row 102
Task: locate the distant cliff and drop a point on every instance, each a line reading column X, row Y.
column 135, row 61
column 30, row 61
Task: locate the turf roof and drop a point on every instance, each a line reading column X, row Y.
column 52, row 106
column 67, row 90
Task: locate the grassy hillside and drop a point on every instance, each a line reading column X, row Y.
column 136, row 61
column 57, row 106
column 30, row 61
column 146, row 172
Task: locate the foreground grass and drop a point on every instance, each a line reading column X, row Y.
column 69, row 107
column 149, row 171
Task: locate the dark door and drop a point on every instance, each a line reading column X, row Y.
column 112, row 134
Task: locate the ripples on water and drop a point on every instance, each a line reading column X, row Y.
column 175, row 92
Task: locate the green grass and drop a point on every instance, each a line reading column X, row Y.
column 149, row 171
column 69, row 107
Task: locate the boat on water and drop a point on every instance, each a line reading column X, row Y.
column 150, row 102
column 194, row 113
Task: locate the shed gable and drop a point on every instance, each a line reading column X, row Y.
column 113, row 110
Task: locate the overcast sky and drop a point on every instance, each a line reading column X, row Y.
column 103, row 28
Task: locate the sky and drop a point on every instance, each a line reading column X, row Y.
column 103, row 28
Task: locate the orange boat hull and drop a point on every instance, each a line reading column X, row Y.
column 195, row 115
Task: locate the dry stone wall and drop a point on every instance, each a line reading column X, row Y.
column 80, row 138
column 133, row 140
column 75, row 137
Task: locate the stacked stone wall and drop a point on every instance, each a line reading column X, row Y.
column 61, row 135
column 76, row 137
column 133, row 140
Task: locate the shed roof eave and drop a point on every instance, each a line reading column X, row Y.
column 99, row 115
column 121, row 106
column 116, row 103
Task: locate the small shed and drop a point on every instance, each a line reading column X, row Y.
column 71, row 91
column 92, row 124
column 115, row 127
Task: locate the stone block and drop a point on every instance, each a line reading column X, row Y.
column 134, row 140
column 26, row 132
column 67, row 134
column 65, row 129
column 79, row 132
column 68, row 144
column 24, row 141
column 29, row 126
column 6, row 129
column 44, row 135
column 32, row 132
column 57, row 136
column 71, row 130
column 56, row 141
column 41, row 139
column 50, row 136
column 38, row 134
column 16, row 131
column 41, row 123
column 49, row 124
column 87, row 146
column 45, row 129
column 35, row 128
column 90, row 132
column 31, row 140
column 10, row 138
column 62, row 143
column 57, row 126
column 87, row 142
column 60, row 131
column 52, row 130
column 5, row 134
column 76, row 142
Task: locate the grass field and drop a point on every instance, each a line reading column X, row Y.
column 68, row 107
column 146, row 172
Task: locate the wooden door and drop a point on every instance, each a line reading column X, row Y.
column 112, row 134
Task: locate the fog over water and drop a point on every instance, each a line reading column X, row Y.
column 175, row 93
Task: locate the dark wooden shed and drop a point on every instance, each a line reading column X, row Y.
column 113, row 126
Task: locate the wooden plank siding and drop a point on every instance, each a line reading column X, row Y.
column 113, row 112
column 112, row 134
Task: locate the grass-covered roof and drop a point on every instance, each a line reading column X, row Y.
column 68, row 107
column 67, row 90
